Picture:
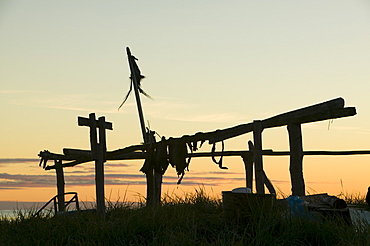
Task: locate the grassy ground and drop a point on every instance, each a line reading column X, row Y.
column 195, row 219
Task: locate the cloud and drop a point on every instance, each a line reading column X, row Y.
column 188, row 112
column 8, row 181
column 115, row 165
column 162, row 108
column 76, row 102
column 18, row 160
column 20, row 181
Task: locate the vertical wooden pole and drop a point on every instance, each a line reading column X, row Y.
column 150, row 176
column 154, row 178
column 137, row 95
column 60, row 185
column 296, row 159
column 99, row 167
column 149, row 188
column 93, row 136
column 257, row 156
column 157, row 188
column 98, row 153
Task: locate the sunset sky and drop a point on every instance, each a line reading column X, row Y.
column 208, row 65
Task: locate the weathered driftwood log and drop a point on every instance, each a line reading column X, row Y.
column 142, row 155
column 335, row 202
column 130, row 149
column 77, row 152
column 310, row 112
column 327, row 110
column 324, row 198
column 235, row 131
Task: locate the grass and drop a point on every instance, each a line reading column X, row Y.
column 193, row 219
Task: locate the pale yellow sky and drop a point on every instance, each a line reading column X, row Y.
column 208, row 65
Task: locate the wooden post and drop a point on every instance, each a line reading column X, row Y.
column 153, row 179
column 248, row 161
column 60, row 185
column 257, row 156
column 248, row 165
column 137, row 95
column 99, row 167
column 149, row 188
column 296, row 159
column 157, row 188
column 98, row 153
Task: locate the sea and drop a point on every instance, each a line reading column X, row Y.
column 12, row 209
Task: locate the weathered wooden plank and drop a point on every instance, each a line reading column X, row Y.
column 76, row 159
column 77, row 152
column 70, row 164
column 52, row 156
column 333, row 114
column 291, row 116
column 219, row 135
column 322, row 111
column 337, row 152
column 279, row 120
column 126, row 150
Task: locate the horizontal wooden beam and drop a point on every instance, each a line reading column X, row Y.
column 82, row 121
column 235, row 131
column 333, row 114
column 297, row 115
column 77, row 152
column 267, row 152
column 128, row 149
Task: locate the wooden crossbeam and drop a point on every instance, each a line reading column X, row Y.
column 266, row 152
column 276, row 121
column 82, row 121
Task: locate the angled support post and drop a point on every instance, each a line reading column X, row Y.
column 98, row 153
column 248, row 165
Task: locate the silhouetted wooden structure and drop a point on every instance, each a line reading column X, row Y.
column 98, row 153
column 157, row 155
column 175, row 151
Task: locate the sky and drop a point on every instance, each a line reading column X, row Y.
column 208, row 65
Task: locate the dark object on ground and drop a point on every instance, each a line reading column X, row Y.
column 368, row 197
